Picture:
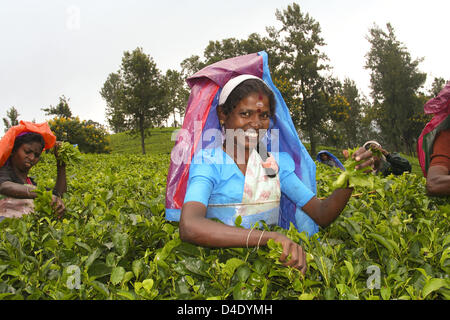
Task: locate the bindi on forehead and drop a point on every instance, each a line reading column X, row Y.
column 260, row 103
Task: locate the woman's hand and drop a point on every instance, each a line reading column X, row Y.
column 56, row 147
column 197, row 229
column 58, row 206
column 55, row 152
column 298, row 255
column 361, row 155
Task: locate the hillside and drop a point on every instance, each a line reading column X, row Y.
column 158, row 142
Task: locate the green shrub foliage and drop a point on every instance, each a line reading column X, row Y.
column 90, row 136
column 391, row 242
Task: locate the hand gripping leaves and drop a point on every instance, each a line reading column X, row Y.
column 352, row 177
column 67, row 153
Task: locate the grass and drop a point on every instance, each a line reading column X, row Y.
column 158, row 142
column 415, row 166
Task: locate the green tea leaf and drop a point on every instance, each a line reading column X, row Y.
column 433, row 285
column 99, row 269
column 147, row 284
column 68, row 154
column 380, row 239
column 349, row 268
column 68, row 241
column 385, row 293
column 121, row 243
column 231, row 265
column 100, row 287
column 341, row 181
column 242, row 291
column 92, row 257
column 243, row 272
column 137, row 267
column 117, row 275
column 126, row 294
column 238, row 221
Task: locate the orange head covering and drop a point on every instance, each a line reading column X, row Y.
column 7, row 141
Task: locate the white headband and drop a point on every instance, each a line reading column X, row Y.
column 233, row 83
column 371, row 142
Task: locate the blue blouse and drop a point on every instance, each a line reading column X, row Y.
column 214, row 178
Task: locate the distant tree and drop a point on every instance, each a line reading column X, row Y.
column 62, row 109
column 298, row 42
column 220, row 50
column 232, row 47
column 142, row 96
column 395, row 80
column 352, row 124
column 177, row 93
column 112, row 93
column 368, row 128
column 437, row 86
column 335, row 133
column 12, row 118
column 229, row 48
column 191, row 65
column 90, row 136
column 350, row 118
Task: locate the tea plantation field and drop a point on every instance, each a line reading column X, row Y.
column 391, row 242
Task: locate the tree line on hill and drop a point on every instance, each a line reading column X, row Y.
column 324, row 109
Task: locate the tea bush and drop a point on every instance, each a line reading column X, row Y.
column 391, row 242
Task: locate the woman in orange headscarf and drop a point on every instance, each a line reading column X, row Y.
column 20, row 150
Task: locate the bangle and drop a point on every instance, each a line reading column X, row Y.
column 248, row 236
column 260, row 237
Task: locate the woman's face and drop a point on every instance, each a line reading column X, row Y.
column 249, row 116
column 26, row 156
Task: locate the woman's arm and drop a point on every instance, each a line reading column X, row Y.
column 197, row 229
column 324, row 212
column 60, row 188
column 17, row 190
column 438, row 181
column 25, row 191
column 61, row 181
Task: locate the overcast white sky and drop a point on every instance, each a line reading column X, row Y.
column 51, row 48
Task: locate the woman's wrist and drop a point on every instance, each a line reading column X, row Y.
column 29, row 192
column 259, row 238
column 60, row 165
column 273, row 235
column 346, row 187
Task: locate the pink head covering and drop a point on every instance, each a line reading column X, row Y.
column 440, row 108
column 439, row 104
